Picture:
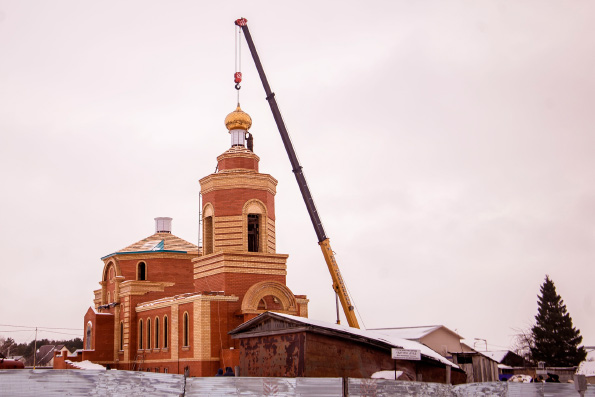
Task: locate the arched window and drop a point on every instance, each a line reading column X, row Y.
column 165, row 332
column 148, row 333
column 255, row 224
column 253, row 233
column 208, row 243
column 208, row 235
column 156, row 332
column 121, row 335
column 140, row 334
column 186, row 329
column 142, row 271
column 88, row 335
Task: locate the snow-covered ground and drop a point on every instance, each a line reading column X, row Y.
column 86, row 365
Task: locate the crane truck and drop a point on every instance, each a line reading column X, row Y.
column 338, row 284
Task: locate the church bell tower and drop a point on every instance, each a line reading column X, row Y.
column 238, row 217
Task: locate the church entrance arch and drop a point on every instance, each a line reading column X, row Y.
column 269, row 296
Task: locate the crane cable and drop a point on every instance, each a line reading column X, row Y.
column 237, row 77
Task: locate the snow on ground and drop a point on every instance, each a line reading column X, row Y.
column 86, row 365
column 387, row 375
column 586, row 368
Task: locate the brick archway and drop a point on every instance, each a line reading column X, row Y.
column 260, row 290
column 106, row 266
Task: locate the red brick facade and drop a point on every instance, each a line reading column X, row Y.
column 166, row 306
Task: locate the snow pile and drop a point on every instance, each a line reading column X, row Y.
column 391, row 375
column 85, row 365
column 586, row 368
column 520, row 379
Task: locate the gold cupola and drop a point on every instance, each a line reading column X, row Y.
column 238, row 120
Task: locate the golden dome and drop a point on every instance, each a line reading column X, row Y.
column 238, row 120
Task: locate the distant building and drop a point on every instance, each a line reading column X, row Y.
column 437, row 337
column 508, row 362
column 478, row 367
column 166, row 306
column 44, row 357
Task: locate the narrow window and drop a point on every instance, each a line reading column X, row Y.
column 157, row 332
column 140, row 334
column 165, row 332
column 208, row 235
column 148, row 333
column 142, row 271
column 186, row 329
column 108, row 297
column 253, row 233
column 121, row 335
column 88, row 336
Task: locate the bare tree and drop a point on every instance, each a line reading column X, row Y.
column 523, row 342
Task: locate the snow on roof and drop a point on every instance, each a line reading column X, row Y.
column 86, row 365
column 586, row 368
column 98, row 313
column 411, row 333
column 377, row 335
column 496, row 355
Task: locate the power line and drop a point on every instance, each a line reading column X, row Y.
column 62, row 333
column 24, row 326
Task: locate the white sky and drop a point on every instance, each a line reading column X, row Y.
column 448, row 144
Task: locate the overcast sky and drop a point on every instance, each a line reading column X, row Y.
column 448, row 145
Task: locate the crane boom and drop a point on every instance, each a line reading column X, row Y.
column 338, row 283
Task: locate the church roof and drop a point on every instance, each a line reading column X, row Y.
column 158, row 242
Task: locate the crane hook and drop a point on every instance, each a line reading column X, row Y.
column 237, row 78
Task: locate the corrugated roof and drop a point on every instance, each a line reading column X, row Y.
column 158, row 242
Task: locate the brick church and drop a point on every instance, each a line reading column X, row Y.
column 166, row 305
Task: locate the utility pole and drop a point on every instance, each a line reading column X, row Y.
column 35, row 350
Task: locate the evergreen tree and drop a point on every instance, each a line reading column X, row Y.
column 555, row 340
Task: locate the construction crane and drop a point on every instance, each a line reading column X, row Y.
column 329, row 256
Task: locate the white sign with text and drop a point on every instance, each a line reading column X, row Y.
column 406, row 354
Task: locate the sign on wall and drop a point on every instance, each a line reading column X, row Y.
column 406, row 354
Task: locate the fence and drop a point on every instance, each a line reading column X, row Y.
column 48, row 382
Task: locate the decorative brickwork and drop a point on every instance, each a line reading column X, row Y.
column 256, row 294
